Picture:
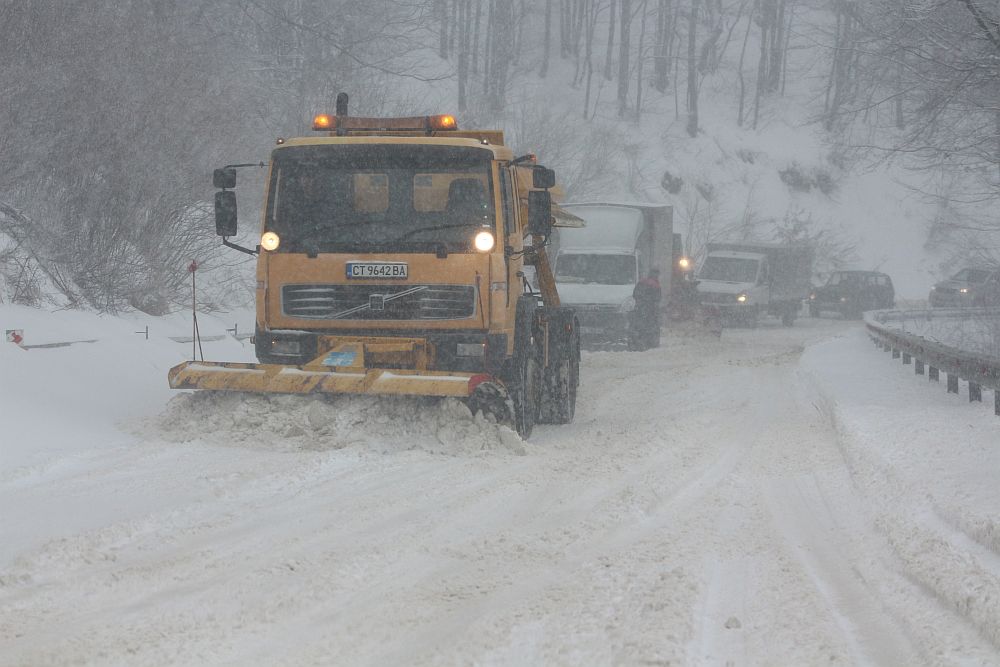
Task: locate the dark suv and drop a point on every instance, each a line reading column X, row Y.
column 962, row 289
column 850, row 293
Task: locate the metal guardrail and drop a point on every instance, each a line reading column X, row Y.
column 979, row 370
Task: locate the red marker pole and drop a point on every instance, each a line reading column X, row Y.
column 195, row 335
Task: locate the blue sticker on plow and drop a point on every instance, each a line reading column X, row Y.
column 339, row 359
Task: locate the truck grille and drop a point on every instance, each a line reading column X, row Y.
column 379, row 302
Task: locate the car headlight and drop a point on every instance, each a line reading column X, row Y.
column 843, row 299
column 963, row 290
column 484, row 241
column 742, row 298
column 812, row 296
column 628, row 305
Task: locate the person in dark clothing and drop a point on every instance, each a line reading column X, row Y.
column 646, row 316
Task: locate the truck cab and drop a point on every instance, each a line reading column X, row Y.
column 598, row 264
column 391, row 261
column 743, row 281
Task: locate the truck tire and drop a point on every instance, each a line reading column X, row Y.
column 561, row 380
column 526, row 391
column 523, row 378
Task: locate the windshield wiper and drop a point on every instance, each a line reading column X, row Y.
column 431, row 228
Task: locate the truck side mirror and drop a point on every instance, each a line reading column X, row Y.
column 224, row 178
column 539, row 213
column 542, row 177
column 225, row 213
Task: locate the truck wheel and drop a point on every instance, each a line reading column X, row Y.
column 525, row 391
column 559, row 399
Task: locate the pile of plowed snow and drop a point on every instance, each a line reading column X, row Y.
column 378, row 424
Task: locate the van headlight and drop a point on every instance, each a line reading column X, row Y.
column 628, row 305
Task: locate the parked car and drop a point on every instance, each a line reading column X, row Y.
column 988, row 294
column 850, row 293
column 959, row 290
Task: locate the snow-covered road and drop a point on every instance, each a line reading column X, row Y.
column 733, row 502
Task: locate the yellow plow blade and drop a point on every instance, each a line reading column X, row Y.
column 279, row 379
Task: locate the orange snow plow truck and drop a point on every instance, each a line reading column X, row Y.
column 391, row 261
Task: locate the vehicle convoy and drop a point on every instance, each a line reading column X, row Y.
column 851, row 293
column 391, row 261
column 743, row 281
column 962, row 289
column 597, row 266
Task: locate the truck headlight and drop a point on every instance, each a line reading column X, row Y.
column 628, row 305
column 484, row 241
column 270, row 241
column 742, row 298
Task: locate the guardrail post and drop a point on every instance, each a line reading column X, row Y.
column 952, row 384
column 906, row 359
column 932, row 373
column 895, row 353
column 918, row 367
column 975, row 392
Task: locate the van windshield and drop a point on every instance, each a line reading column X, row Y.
column 596, row 268
column 729, row 269
column 352, row 198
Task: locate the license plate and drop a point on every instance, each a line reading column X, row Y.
column 377, row 270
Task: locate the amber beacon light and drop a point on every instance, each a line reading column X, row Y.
column 323, row 121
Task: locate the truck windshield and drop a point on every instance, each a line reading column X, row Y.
column 600, row 269
column 402, row 198
column 729, row 269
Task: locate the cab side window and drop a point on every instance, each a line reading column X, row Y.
column 507, row 201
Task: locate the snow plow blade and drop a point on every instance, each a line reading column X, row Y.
column 280, row 379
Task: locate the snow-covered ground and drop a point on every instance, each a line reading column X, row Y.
column 779, row 497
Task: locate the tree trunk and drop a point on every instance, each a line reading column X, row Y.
column 475, row 36
column 442, row 7
column 661, row 64
column 623, row 55
column 638, row 63
column 692, row 88
column 739, row 69
column 464, row 41
column 611, row 40
column 547, row 43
